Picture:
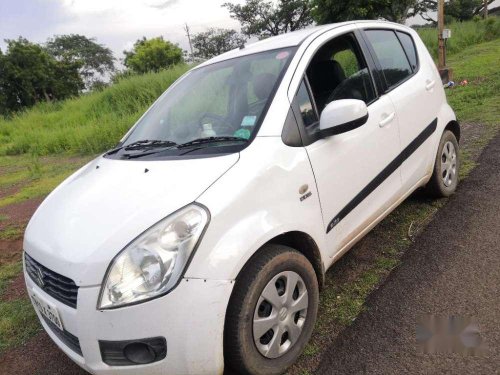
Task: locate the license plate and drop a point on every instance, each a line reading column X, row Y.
column 46, row 309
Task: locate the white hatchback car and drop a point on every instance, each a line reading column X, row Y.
column 201, row 241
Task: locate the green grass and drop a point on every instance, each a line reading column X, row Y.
column 38, row 188
column 7, row 273
column 463, row 35
column 10, row 179
column 479, row 100
column 18, row 322
column 85, row 125
column 36, row 178
column 11, row 233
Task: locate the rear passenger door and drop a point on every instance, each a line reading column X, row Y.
column 411, row 84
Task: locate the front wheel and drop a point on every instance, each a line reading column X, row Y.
column 271, row 312
column 444, row 178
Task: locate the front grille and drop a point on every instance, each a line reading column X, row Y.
column 70, row 340
column 60, row 287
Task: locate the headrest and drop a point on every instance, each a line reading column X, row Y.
column 263, row 85
column 325, row 75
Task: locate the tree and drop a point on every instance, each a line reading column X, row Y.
column 461, row 10
column 95, row 59
column 397, row 11
column 215, row 41
column 3, row 98
column 152, row 55
column 28, row 75
column 330, row 11
column 423, row 7
column 264, row 18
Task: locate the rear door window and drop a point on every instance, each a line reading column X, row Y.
column 391, row 56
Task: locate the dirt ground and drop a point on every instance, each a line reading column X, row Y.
column 40, row 356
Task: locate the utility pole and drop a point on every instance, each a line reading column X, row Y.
column 186, row 29
column 485, row 9
column 441, row 48
column 445, row 72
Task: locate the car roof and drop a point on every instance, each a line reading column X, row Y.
column 290, row 39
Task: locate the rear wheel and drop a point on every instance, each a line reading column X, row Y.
column 444, row 178
column 271, row 313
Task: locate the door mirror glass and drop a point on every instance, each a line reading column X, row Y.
column 341, row 116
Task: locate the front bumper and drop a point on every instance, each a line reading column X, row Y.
column 190, row 318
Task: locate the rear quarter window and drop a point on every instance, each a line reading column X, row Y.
column 304, row 102
column 409, row 47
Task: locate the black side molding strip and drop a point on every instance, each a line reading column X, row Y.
column 386, row 172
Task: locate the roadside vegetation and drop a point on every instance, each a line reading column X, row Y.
column 95, row 122
column 39, row 147
column 463, row 35
column 86, row 125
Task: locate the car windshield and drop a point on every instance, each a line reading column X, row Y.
column 224, row 100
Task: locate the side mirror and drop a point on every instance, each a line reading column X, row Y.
column 341, row 116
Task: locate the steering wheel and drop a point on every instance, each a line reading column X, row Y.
column 222, row 126
column 255, row 106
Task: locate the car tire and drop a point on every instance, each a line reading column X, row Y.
column 286, row 278
column 445, row 175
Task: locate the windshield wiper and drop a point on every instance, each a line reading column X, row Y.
column 149, row 147
column 201, row 141
column 142, row 145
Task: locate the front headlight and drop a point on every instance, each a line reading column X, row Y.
column 154, row 262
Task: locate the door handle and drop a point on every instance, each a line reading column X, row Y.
column 429, row 84
column 387, row 119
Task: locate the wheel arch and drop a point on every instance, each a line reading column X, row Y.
column 304, row 244
column 454, row 127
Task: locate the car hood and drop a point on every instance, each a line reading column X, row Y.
column 97, row 211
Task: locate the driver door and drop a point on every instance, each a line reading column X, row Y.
column 351, row 169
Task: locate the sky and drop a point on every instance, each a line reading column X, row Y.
column 114, row 23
